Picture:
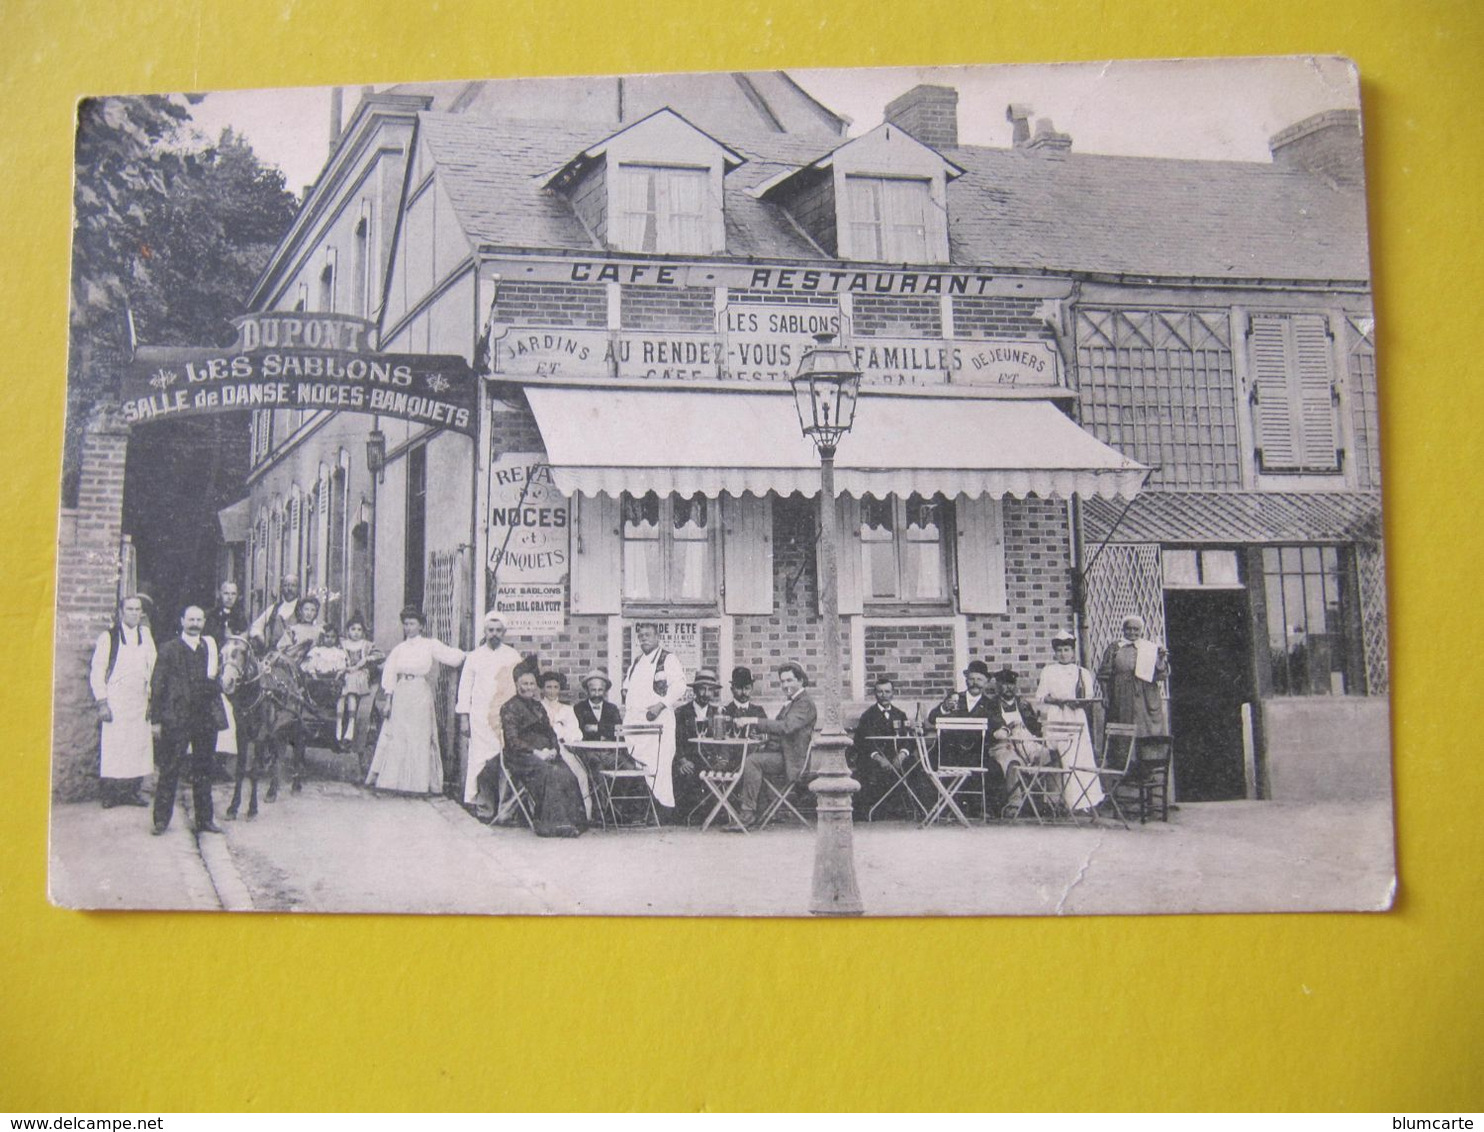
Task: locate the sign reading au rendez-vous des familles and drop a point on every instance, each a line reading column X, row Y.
column 300, row 361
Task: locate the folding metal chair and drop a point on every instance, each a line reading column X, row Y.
column 1042, row 776
column 628, row 786
column 720, row 777
column 783, row 799
column 956, row 767
column 514, row 799
column 1113, row 768
column 891, row 746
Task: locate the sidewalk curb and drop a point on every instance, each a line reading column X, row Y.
column 232, row 892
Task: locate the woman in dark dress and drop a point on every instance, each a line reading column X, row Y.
column 1130, row 674
column 531, row 755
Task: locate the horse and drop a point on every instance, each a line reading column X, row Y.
column 274, row 710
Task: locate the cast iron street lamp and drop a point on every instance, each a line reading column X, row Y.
column 825, row 390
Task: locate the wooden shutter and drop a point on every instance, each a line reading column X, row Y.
column 848, row 520
column 597, row 555
column 747, row 547
column 1313, row 371
column 1292, row 376
column 981, row 555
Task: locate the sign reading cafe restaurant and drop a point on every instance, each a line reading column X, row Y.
column 300, row 361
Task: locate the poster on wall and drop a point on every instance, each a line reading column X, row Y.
column 528, row 541
column 683, row 638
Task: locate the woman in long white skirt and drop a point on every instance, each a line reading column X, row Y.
column 1063, row 683
column 408, row 759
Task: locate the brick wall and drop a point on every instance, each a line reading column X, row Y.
column 984, row 316
column 87, row 592
column 668, row 308
column 893, row 316
column 552, row 304
column 783, row 298
column 918, row 658
column 1039, row 591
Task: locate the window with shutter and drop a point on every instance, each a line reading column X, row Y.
column 981, row 555
column 594, row 581
column 669, row 550
column 1293, row 393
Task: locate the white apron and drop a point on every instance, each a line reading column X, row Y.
column 656, row 754
column 128, row 748
column 486, row 684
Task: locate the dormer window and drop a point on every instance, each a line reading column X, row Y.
column 888, row 218
column 661, row 209
column 879, row 198
column 654, row 187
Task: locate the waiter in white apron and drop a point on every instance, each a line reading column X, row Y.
column 653, row 688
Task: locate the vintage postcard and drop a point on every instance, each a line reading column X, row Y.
column 951, row 491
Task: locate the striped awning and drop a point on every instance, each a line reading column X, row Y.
column 609, row 441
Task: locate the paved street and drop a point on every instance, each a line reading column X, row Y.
column 338, row 847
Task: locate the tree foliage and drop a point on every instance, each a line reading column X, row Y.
column 165, row 232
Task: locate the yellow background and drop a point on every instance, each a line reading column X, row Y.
column 149, row 1012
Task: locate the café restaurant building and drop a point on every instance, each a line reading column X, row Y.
column 635, row 266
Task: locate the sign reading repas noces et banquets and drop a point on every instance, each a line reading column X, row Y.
column 529, row 538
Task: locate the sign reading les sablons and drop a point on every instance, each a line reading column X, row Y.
column 296, row 361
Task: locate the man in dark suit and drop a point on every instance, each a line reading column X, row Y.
column 693, row 720
column 742, row 706
column 185, row 710
column 974, row 702
column 598, row 718
column 226, row 618
column 793, row 730
column 871, row 762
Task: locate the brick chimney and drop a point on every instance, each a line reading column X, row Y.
column 929, row 114
column 1047, row 141
column 1327, row 145
column 1018, row 114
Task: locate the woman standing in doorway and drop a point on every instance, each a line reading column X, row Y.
column 1130, row 674
column 408, row 759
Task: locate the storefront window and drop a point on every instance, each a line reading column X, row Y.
column 1307, row 591
column 668, row 548
column 902, row 556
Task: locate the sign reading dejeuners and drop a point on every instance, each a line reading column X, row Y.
column 297, row 361
column 529, row 542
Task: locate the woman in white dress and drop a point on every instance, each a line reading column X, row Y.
column 1062, row 684
column 568, row 730
column 123, row 662
column 408, row 759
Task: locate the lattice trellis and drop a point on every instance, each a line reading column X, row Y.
column 1159, row 386
column 446, row 605
column 1370, row 562
column 1126, row 578
column 1365, row 411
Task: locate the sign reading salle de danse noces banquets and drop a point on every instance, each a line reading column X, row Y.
column 300, row 361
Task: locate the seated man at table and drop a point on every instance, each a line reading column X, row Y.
column 792, row 731
column 532, row 757
column 872, row 762
column 693, row 720
column 974, row 702
column 596, row 716
column 742, row 706
column 1014, row 727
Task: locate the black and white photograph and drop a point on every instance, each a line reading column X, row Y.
column 941, row 491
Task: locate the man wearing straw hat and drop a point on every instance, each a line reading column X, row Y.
column 486, row 682
column 598, row 719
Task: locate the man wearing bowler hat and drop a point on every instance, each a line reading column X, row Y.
column 597, row 718
column 974, row 702
column 694, row 720
column 742, row 706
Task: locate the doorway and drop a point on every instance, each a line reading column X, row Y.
column 1210, row 680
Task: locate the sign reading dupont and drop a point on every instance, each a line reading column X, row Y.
column 528, row 545
column 299, row 362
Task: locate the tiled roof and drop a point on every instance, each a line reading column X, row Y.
column 1013, row 209
column 1237, row 517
